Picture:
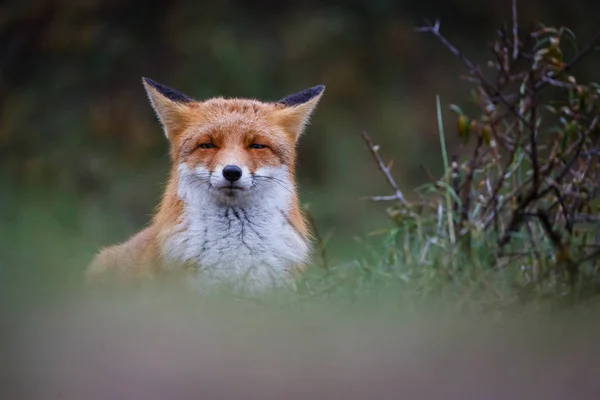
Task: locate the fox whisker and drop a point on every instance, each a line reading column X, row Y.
column 277, row 181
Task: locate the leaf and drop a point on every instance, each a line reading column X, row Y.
column 456, row 109
column 486, row 134
column 463, row 127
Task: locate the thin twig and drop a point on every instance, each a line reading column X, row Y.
column 466, row 201
column 391, row 197
column 435, row 30
column 515, row 54
column 586, row 218
column 563, row 208
column 386, row 172
column 532, row 137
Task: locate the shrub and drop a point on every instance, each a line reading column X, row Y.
column 517, row 213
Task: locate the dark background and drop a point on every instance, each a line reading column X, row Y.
column 83, row 160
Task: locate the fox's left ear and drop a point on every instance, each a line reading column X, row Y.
column 297, row 109
column 168, row 104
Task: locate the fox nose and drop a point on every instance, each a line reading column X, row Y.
column 232, row 173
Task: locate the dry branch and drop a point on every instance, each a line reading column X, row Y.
column 374, row 150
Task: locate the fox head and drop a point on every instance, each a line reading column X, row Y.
column 232, row 150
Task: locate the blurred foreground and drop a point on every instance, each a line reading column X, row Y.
column 145, row 347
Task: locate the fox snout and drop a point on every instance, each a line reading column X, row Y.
column 231, row 180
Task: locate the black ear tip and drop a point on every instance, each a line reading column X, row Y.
column 166, row 91
column 303, row 96
column 319, row 88
column 153, row 83
column 314, row 91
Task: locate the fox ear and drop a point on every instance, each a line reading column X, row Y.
column 297, row 109
column 168, row 104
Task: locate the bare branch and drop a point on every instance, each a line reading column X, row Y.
column 515, row 54
column 391, row 197
column 386, row 172
column 532, row 137
column 455, row 175
column 488, row 86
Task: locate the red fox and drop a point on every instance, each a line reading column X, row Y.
column 230, row 211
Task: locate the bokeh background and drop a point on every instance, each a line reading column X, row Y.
column 83, row 160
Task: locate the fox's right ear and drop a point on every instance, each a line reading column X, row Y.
column 168, row 104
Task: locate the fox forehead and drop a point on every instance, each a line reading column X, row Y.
column 233, row 118
column 241, row 111
column 233, row 122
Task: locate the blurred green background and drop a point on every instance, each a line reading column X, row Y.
column 83, row 160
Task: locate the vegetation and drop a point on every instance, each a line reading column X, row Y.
column 515, row 220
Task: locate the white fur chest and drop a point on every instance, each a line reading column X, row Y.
column 253, row 247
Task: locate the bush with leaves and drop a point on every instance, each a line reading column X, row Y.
column 522, row 201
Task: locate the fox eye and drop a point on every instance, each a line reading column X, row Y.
column 257, row 146
column 207, row 146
